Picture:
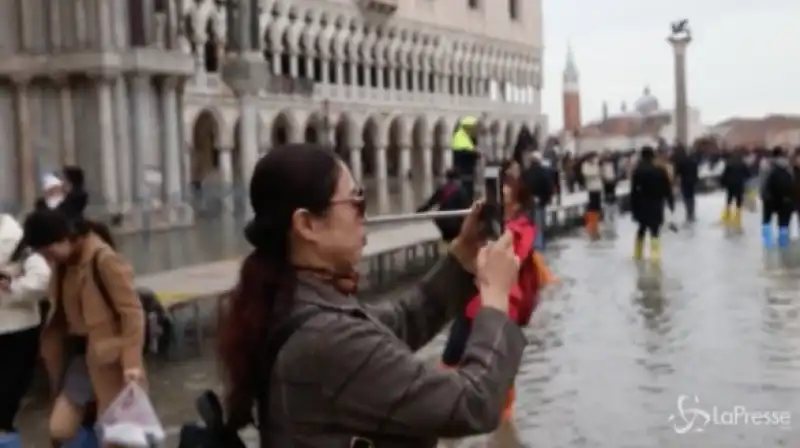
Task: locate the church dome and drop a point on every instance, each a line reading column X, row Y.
column 647, row 103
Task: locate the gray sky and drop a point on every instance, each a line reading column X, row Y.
column 620, row 46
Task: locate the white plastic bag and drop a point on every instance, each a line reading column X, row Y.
column 131, row 421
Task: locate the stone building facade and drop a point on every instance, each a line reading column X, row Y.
column 133, row 90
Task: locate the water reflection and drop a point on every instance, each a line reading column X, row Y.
column 217, row 235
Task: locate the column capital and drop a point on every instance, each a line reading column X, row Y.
column 21, row 79
column 60, row 79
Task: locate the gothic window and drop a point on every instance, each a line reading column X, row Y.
column 211, row 48
column 513, row 9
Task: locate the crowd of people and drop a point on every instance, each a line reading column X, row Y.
column 302, row 358
column 68, row 298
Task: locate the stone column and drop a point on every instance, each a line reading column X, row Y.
column 226, row 177
column 123, row 144
column 170, row 141
column 382, row 178
column 108, row 162
column 66, row 113
column 54, row 22
column 248, row 136
column 355, row 164
column 140, row 84
column 381, row 171
column 406, row 194
column 427, row 169
column 447, row 159
column 679, row 45
column 24, row 144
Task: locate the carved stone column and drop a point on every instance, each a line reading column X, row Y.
column 66, row 113
column 24, row 144
column 170, row 141
column 108, row 150
column 226, row 177
column 356, row 167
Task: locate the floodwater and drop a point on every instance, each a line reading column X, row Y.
column 615, row 348
column 218, row 234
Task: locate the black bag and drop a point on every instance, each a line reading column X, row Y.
column 213, row 432
column 158, row 323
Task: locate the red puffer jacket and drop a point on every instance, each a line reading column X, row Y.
column 525, row 295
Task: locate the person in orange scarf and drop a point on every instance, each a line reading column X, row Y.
column 533, row 275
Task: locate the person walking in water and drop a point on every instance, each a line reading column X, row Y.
column 465, row 154
column 651, row 190
column 590, row 169
column 777, row 196
column 734, row 181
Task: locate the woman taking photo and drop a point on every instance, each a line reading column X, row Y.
column 348, row 375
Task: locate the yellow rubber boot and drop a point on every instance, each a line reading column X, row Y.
column 655, row 249
column 726, row 216
column 736, row 219
column 638, row 249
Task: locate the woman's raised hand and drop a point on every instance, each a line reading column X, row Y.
column 497, row 271
column 470, row 239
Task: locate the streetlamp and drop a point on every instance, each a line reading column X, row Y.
column 680, row 38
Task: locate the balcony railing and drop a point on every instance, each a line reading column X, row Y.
column 308, row 91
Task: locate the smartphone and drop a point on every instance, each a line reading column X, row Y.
column 492, row 212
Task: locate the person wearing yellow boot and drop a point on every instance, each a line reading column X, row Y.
column 593, row 178
column 734, row 181
column 651, row 191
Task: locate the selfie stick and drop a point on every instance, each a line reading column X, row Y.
column 413, row 217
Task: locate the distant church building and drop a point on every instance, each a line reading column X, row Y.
column 645, row 124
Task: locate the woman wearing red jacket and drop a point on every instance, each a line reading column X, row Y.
column 533, row 273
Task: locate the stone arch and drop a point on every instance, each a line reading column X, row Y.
column 345, row 137
column 284, row 129
column 371, row 134
column 205, row 147
column 397, row 139
column 442, row 131
column 313, row 131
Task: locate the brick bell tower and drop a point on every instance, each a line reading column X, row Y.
column 571, row 95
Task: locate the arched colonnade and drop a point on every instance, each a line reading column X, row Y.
column 380, row 149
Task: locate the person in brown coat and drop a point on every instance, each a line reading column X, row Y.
column 348, row 376
column 91, row 341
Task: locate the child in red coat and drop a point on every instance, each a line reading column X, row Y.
column 532, row 276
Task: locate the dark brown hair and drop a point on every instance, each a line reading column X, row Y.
column 288, row 178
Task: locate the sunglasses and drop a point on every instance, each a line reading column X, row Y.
column 356, row 200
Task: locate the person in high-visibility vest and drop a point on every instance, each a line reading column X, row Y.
column 465, row 155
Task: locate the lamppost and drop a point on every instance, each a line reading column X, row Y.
column 680, row 38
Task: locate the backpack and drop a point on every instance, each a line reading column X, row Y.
column 158, row 324
column 213, row 432
column 157, row 321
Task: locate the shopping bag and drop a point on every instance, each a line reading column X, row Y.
column 10, row 440
column 131, row 421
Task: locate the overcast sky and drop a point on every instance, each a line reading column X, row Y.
column 744, row 60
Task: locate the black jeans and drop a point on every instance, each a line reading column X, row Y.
column 19, row 352
column 688, row 195
column 782, row 211
column 653, row 228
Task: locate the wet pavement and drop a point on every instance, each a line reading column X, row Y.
column 614, row 348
